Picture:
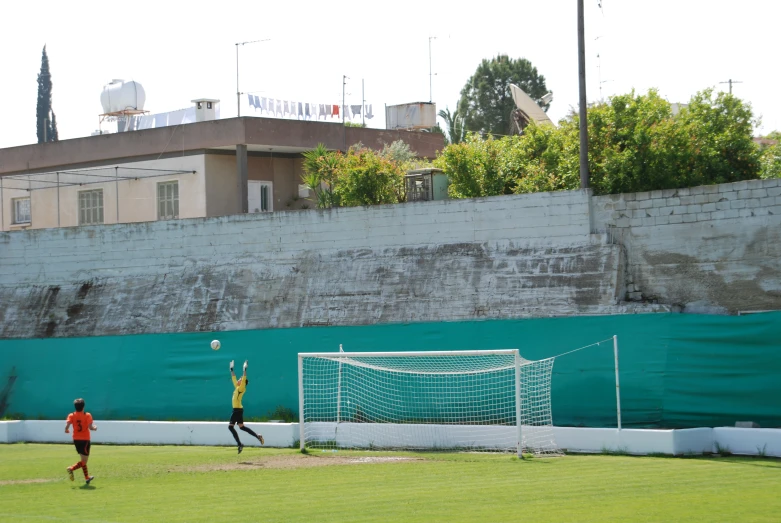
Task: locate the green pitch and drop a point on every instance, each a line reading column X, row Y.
column 214, row 484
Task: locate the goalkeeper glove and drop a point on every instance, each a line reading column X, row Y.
column 231, row 365
column 245, row 365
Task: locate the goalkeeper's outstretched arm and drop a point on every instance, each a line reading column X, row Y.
column 232, row 373
column 245, row 369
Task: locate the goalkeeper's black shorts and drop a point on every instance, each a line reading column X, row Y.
column 237, row 416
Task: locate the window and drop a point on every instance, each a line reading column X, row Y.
column 168, row 200
column 21, row 210
column 260, row 196
column 91, row 207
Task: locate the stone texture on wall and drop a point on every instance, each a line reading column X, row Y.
column 703, row 249
column 501, row 257
column 715, row 248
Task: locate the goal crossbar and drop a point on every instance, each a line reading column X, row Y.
column 337, row 355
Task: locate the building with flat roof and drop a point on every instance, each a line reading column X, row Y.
column 207, row 168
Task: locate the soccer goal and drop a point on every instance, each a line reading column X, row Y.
column 487, row 400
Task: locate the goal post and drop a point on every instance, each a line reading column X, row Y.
column 483, row 400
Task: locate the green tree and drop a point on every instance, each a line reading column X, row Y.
column 46, row 121
column 770, row 157
column 368, row 178
column 321, row 169
column 455, row 125
column 478, row 167
column 547, row 159
column 635, row 144
column 720, row 128
column 399, row 152
column 486, row 102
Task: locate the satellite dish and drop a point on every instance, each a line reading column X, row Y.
column 529, row 107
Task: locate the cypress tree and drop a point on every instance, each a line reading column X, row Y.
column 46, row 122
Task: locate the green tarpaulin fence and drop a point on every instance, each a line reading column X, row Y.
column 677, row 370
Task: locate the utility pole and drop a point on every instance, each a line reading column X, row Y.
column 430, row 73
column 584, row 181
column 238, row 91
column 363, row 103
column 730, row 82
column 344, row 83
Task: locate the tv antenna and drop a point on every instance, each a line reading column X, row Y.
column 730, row 82
column 430, row 73
column 238, row 91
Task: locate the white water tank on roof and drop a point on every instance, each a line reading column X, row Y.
column 120, row 95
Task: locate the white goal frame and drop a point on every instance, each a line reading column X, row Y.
column 518, row 363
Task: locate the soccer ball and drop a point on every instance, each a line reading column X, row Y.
column 215, row 345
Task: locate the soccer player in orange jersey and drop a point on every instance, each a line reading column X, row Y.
column 239, row 387
column 82, row 424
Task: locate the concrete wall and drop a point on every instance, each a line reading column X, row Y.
column 704, row 249
column 137, row 202
column 750, row 442
column 712, row 249
column 500, row 257
column 285, row 174
column 150, row 433
column 7, row 212
column 213, row 190
column 222, row 185
column 279, row 134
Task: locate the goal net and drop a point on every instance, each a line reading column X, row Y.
column 451, row 400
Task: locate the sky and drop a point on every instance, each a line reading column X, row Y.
column 180, row 51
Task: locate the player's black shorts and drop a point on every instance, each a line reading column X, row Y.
column 82, row 446
column 237, row 416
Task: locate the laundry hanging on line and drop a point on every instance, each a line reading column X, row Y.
column 308, row 111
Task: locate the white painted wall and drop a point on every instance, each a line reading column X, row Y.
column 543, row 219
column 704, row 249
column 123, row 201
column 151, row 433
column 750, row 442
column 500, row 257
column 712, row 249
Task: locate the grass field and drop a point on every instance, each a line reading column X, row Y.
column 214, row 484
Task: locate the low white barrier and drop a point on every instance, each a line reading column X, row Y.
column 635, row 441
column 152, row 433
column 11, row 431
column 753, row 442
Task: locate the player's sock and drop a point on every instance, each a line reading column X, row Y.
column 76, row 466
column 249, row 430
column 235, row 434
column 84, row 468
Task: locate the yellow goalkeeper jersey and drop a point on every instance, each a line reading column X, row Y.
column 239, row 387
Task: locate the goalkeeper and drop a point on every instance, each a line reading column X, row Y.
column 239, row 387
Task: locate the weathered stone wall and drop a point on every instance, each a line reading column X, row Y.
column 704, row 249
column 501, row 257
column 714, row 249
